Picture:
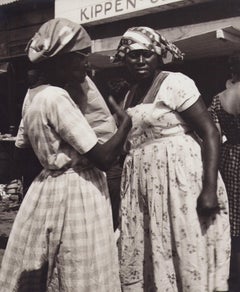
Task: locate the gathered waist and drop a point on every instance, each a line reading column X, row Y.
column 161, row 139
column 66, row 170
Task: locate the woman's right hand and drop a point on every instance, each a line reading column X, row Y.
column 104, row 155
column 123, row 118
column 207, row 203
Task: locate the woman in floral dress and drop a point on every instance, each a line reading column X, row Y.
column 62, row 238
column 175, row 234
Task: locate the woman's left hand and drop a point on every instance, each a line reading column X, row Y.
column 122, row 117
column 207, row 203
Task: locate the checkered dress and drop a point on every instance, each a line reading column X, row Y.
column 62, row 238
column 230, row 160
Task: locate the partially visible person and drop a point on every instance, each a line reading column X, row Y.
column 225, row 110
column 174, row 226
column 62, row 238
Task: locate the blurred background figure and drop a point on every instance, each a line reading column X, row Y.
column 225, row 110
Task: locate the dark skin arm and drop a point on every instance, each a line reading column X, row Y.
column 104, row 155
column 101, row 155
column 198, row 117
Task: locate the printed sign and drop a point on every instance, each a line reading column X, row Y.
column 102, row 11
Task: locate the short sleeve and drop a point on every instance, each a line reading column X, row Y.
column 213, row 109
column 178, row 92
column 68, row 121
column 22, row 140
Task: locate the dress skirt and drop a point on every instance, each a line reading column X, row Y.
column 62, row 238
column 164, row 245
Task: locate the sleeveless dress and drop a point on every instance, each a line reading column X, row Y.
column 62, row 237
column 164, row 246
column 230, row 159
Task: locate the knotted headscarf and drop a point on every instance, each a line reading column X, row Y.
column 145, row 38
column 57, row 36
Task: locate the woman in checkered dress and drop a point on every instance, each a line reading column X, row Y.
column 225, row 110
column 62, row 238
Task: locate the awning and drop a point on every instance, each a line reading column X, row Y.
column 220, row 42
column 102, row 60
column 4, row 2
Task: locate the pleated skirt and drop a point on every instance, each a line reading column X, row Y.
column 165, row 246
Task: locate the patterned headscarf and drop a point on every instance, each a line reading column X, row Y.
column 57, row 36
column 145, row 38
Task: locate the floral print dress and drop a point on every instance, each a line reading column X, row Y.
column 164, row 245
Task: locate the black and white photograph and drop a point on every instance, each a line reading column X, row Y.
column 119, row 145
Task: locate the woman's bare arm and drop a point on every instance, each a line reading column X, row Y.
column 198, row 117
column 104, row 155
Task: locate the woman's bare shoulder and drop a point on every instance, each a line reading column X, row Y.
column 230, row 99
